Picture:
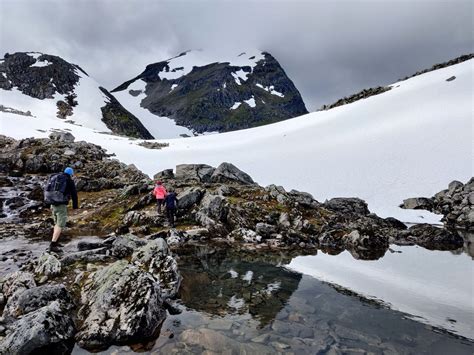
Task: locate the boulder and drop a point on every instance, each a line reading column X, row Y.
column 155, row 257
column 17, row 281
column 189, row 197
column 454, row 185
column 227, row 172
column 165, row 174
column 34, row 298
column 277, row 192
column 47, row 330
column 303, row 198
column 214, row 206
column 124, row 245
column 194, row 172
column 417, row 203
column 347, row 205
column 120, row 304
column 48, row 265
column 62, row 136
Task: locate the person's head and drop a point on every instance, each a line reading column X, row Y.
column 158, row 182
column 69, row 171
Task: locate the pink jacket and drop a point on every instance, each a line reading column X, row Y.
column 159, row 192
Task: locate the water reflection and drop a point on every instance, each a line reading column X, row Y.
column 219, row 282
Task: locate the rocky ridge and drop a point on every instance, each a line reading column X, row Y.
column 44, row 76
column 456, row 204
column 218, row 96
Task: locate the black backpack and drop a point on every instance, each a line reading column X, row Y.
column 55, row 190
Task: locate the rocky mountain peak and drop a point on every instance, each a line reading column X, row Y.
column 66, row 91
column 218, row 94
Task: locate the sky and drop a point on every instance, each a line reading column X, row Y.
column 329, row 48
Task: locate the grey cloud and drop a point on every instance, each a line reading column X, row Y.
column 329, row 48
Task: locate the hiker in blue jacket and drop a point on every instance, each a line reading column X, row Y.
column 170, row 203
column 58, row 191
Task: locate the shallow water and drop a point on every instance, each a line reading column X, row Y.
column 256, row 304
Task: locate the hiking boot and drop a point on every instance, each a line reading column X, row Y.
column 54, row 247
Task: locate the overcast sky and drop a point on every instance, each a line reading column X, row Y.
column 328, row 48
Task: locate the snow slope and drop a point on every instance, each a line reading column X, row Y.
column 87, row 113
column 410, row 141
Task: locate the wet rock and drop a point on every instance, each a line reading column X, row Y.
column 48, row 265
column 34, row 298
column 120, row 304
column 62, row 136
column 83, row 245
column 86, row 256
column 124, row 245
column 227, row 172
column 48, row 330
column 194, row 172
column 347, row 205
column 189, row 197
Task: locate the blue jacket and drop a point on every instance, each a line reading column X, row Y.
column 171, row 200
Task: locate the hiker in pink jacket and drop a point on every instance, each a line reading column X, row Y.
column 160, row 193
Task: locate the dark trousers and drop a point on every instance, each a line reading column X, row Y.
column 159, row 203
column 170, row 212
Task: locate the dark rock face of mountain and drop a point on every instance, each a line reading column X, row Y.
column 118, row 119
column 204, row 98
column 42, row 76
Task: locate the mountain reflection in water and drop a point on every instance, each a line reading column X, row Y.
column 219, row 283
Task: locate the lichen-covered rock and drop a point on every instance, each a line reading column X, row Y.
column 48, row 265
column 120, row 304
column 47, row 330
column 155, row 257
column 34, row 298
column 17, row 281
